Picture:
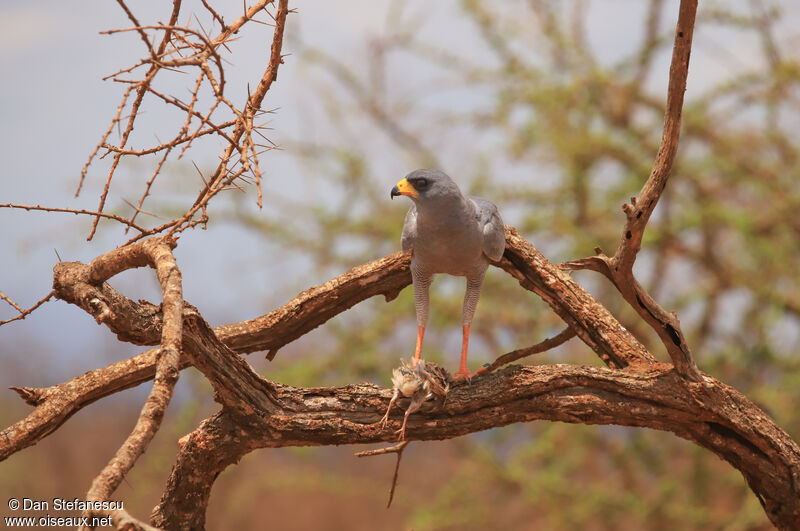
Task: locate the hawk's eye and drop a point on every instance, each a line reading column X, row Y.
column 421, row 184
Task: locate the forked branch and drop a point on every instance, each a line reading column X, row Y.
column 140, row 324
column 259, row 413
column 634, row 390
column 619, row 268
column 396, row 449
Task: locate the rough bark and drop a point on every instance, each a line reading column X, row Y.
column 257, row 413
column 156, row 253
column 708, row 413
column 140, row 323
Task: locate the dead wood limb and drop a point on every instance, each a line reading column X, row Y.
column 55, row 405
column 141, row 91
column 708, row 413
column 158, row 254
column 257, row 413
column 140, row 323
column 242, row 135
column 311, row 308
column 619, row 268
column 384, row 450
column 105, row 215
column 87, row 289
column 590, row 320
column 230, row 443
column 183, row 48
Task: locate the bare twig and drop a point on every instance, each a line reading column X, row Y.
column 76, row 212
column 141, row 31
column 24, row 313
column 396, row 449
column 141, row 90
column 219, row 179
column 11, row 302
column 182, row 48
column 543, row 346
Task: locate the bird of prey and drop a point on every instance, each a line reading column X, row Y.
column 448, row 233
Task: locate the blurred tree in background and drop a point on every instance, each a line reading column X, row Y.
column 558, row 135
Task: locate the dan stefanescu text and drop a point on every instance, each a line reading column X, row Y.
column 75, row 504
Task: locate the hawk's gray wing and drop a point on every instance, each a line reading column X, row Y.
column 494, row 232
column 409, row 229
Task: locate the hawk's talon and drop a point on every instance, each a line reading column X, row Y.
column 463, row 374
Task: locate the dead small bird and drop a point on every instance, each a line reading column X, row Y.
column 420, row 381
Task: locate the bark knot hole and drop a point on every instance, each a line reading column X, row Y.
column 673, row 334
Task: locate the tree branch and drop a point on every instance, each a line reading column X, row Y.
column 182, row 48
column 97, row 214
column 245, row 125
column 140, row 324
column 156, row 253
column 257, row 413
column 619, row 268
column 396, row 449
column 709, row 413
column 590, row 320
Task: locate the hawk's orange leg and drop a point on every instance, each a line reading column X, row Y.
column 420, row 334
column 463, row 371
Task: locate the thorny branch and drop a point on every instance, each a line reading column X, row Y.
column 183, row 48
column 23, row 313
column 130, row 223
column 140, row 323
column 243, row 393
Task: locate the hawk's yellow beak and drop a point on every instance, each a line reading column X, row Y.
column 404, row 188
